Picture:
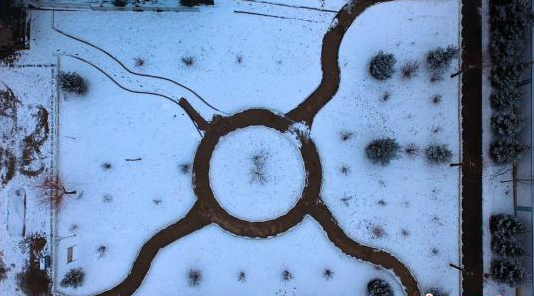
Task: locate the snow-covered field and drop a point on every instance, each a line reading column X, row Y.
column 124, row 153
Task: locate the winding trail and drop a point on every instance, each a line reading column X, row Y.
column 207, row 210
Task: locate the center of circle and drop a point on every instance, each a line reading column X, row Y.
column 257, row 173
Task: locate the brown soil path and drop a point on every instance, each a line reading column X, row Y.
column 207, row 210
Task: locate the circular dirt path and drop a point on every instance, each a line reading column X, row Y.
column 207, row 210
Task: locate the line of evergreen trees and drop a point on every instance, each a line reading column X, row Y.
column 509, row 24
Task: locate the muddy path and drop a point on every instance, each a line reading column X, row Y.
column 208, row 211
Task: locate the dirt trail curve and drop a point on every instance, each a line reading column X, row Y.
column 207, row 210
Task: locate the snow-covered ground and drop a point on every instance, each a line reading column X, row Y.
column 305, row 252
column 22, row 209
column 415, row 203
column 256, row 173
column 242, row 61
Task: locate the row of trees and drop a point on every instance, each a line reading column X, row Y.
column 382, row 65
column 509, row 23
column 383, row 151
column 506, row 231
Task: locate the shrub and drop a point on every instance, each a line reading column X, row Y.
column 72, row 82
column 328, row 274
column 346, row 135
column 383, row 150
column 411, row 150
column 437, row 292
column 73, row 278
column 506, row 124
column 409, row 70
column 377, row 231
column 188, row 61
column 241, row 276
column 439, row 59
column 436, row 99
column 120, row 3
column 139, row 62
column 506, row 225
column 382, row 66
column 508, row 272
column 438, row 154
column 185, row 168
column 505, row 99
column 194, row 277
column 286, row 275
column 379, row 287
column 506, row 247
column 505, row 152
column 257, row 172
column 102, row 251
column 3, row 270
column 386, row 96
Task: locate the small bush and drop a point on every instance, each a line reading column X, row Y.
column 379, row 287
column 438, row 154
column 3, row 270
column 505, row 99
column 286, row 275
column 506, row 124
column 72, row 82
column 439, row 60
column 73, row 278
column 241, row 276
column 506, row 226
column 328, row 274
column 409, row 70
column 188, row 61
column 377, row 231
column 383, row 150
column 436, row 99
column 345, row 170
column 505, row 152
column 382, row 66
column 346, row 135
column 102, row 251
column 411, row 150
column 506, row 247
column 508, row 272
column 139, row 62
column 194, row 277
column 437, row 292
column 185, row 168
column 120, row 3
column 257, row 172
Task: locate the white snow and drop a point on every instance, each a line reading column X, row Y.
column 131, row 200
column 421, row 198
column 256, row 173
column 305, row 252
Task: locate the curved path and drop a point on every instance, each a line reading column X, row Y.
column 207, row 210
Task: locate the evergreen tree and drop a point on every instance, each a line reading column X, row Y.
column 508, row 272
column 383, row 150
column 382, row 66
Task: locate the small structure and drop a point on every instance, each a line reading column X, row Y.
column 71, row 254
